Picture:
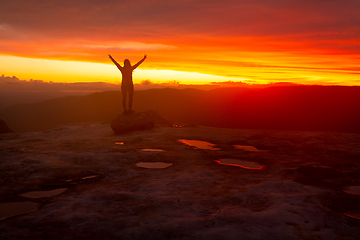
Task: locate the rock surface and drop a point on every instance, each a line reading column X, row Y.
column 4, row 128
column 130, row 122
column 110, row 197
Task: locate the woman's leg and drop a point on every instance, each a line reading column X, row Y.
column 131, row 94
column 124, row 95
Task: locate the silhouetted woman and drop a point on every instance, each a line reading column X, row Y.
column 127, row 85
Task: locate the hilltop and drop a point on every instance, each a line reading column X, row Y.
column 316, row 108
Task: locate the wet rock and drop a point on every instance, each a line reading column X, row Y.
column 323, row 177
column 130, row 122
column 4, row 128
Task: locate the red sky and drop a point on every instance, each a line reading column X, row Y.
column 300, row 41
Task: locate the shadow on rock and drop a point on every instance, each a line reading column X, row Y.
column 4, row 128
column 140, row 121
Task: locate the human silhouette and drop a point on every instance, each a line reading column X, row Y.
column 127, row 85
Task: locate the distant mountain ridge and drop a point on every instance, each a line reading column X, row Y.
column 318, row 108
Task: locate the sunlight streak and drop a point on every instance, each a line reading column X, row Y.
column 75, row 71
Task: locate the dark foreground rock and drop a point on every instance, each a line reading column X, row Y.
column 130, row 122
column 110, row 196
column 4, row 128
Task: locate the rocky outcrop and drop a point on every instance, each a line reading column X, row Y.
column 130, row 122
column 4, row 128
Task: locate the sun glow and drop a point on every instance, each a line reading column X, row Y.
column 76, row 71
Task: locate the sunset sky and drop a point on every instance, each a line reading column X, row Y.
column 190, row 41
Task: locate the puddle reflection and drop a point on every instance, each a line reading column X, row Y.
column 240, row 163
column 78, row 180
column 199, row 144
column 16, row 208
column 154, row 165
column 248, row 148
column 355, row 215
column 353, row 190
column 152, row 150
column 90, row 177
column 42, row 194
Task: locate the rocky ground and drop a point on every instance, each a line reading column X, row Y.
column 89, row 184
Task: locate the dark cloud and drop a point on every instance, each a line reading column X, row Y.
column 149, row 19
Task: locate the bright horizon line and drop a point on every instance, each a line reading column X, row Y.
column 81, row 71
column 71, row 71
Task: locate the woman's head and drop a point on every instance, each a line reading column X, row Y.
column 127, row 63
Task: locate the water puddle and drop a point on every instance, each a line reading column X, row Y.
column 16, row 208
column 153, row 165
column 355, row 215
column 240, row 163
column 90, row 177
column 353, row 190
column 42, row 194
column 248, row 148
column 79, row 180
column 151, row 150
column 199, row 144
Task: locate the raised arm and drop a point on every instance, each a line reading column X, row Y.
column 115, row 62
column 140, row 62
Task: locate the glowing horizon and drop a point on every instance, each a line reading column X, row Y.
column 76, row 71
column 80, row 71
